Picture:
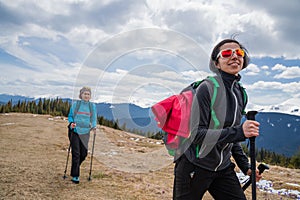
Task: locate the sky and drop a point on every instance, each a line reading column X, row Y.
column 142, row 51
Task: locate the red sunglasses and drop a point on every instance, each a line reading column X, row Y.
column 226, row 53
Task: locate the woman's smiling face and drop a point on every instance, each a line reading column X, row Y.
column 234, row 63
column 86, row 96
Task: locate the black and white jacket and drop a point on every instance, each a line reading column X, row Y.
column 214, row 143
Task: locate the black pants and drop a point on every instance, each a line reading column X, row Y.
column 191, row 182
column 79, row 144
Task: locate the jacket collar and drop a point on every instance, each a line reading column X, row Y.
column 229, row 77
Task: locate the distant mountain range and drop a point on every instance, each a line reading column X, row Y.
column 279, row 131
column 290, row 106
column 4, row 98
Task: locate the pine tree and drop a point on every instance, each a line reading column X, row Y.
column 40, row 107
column 9, row 106
column 295, row 161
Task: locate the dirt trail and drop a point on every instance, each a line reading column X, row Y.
column 126, row 166
column 128, row 152
column 33, row 157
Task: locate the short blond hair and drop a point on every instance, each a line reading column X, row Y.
column 84, row 89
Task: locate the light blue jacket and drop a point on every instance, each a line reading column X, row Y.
column 85, row 118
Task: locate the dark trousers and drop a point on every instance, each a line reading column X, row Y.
column 191, row 182
column 79, row 144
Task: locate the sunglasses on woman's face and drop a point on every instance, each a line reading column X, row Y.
column 226, row 53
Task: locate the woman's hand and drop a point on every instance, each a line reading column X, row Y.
column 257, row 175
column 73, row 125
column 251, row 128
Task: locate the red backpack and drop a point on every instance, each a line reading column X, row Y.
column 173, row 115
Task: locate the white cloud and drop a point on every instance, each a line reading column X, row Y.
column 289, row 73
column 196, row 75
column 286, row 72
column 252, row 70
column 82, row 34
column 265, row 67
column 292, row 87
column 53, row 38
column 127, row 86
column 272, row 93
column 31, row 83
column 279, row 67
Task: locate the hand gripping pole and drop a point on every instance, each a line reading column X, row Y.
column 261, row 168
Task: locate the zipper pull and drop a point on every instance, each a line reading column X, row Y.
column 192, row 174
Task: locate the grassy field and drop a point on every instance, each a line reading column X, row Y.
column 33, row 157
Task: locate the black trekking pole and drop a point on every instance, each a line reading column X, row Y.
column 251, row 116
column 89, row 179
column 67, row 162
column 69, row 149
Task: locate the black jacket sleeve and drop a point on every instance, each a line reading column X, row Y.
column 240, row 157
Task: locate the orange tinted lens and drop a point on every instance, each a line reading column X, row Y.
column 240, row 52
column 226, row 53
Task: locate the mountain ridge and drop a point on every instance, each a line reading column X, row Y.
column 279, row 132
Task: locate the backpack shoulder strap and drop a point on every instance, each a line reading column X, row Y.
column 77, row 108
column 91, row 107
column 213, row 100
column 91, row 111
column 216, row 85
column 196, row 84
column 245, row 96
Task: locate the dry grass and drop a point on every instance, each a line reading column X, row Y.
column 33, row 156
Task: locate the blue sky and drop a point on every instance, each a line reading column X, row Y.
column 143, row 51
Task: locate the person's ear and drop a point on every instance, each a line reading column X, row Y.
column 217, row 65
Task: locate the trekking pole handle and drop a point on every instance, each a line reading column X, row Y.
column 251, row 115
column 262, row 167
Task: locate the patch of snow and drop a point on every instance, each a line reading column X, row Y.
column 8, row 124
column 267, row 186
column 293, row 184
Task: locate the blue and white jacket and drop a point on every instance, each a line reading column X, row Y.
column 85, row 118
